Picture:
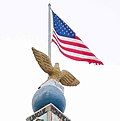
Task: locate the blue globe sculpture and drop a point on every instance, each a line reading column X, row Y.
column 49, row 93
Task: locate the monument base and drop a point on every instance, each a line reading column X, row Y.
column 48, row 113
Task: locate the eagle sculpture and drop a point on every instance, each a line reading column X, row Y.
column 64, row 77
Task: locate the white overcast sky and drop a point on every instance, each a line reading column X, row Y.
column 24, row 23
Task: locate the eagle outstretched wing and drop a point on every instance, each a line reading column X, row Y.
column 43, row 61
column 68, row 79
column 64, row 77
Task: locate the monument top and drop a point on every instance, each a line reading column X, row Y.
column 48, row 113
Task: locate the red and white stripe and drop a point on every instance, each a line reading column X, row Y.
column 74, row 48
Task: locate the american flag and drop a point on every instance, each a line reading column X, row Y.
column 69, row 44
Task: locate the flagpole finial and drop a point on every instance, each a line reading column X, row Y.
column 49, row 5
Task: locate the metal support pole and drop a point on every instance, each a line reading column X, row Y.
column 49, row 31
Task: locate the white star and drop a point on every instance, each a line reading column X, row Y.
column 67, row 26
column 72, row 34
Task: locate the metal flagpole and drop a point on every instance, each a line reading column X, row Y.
column 49, row 31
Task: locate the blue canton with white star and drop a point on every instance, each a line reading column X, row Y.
column 61, row 27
